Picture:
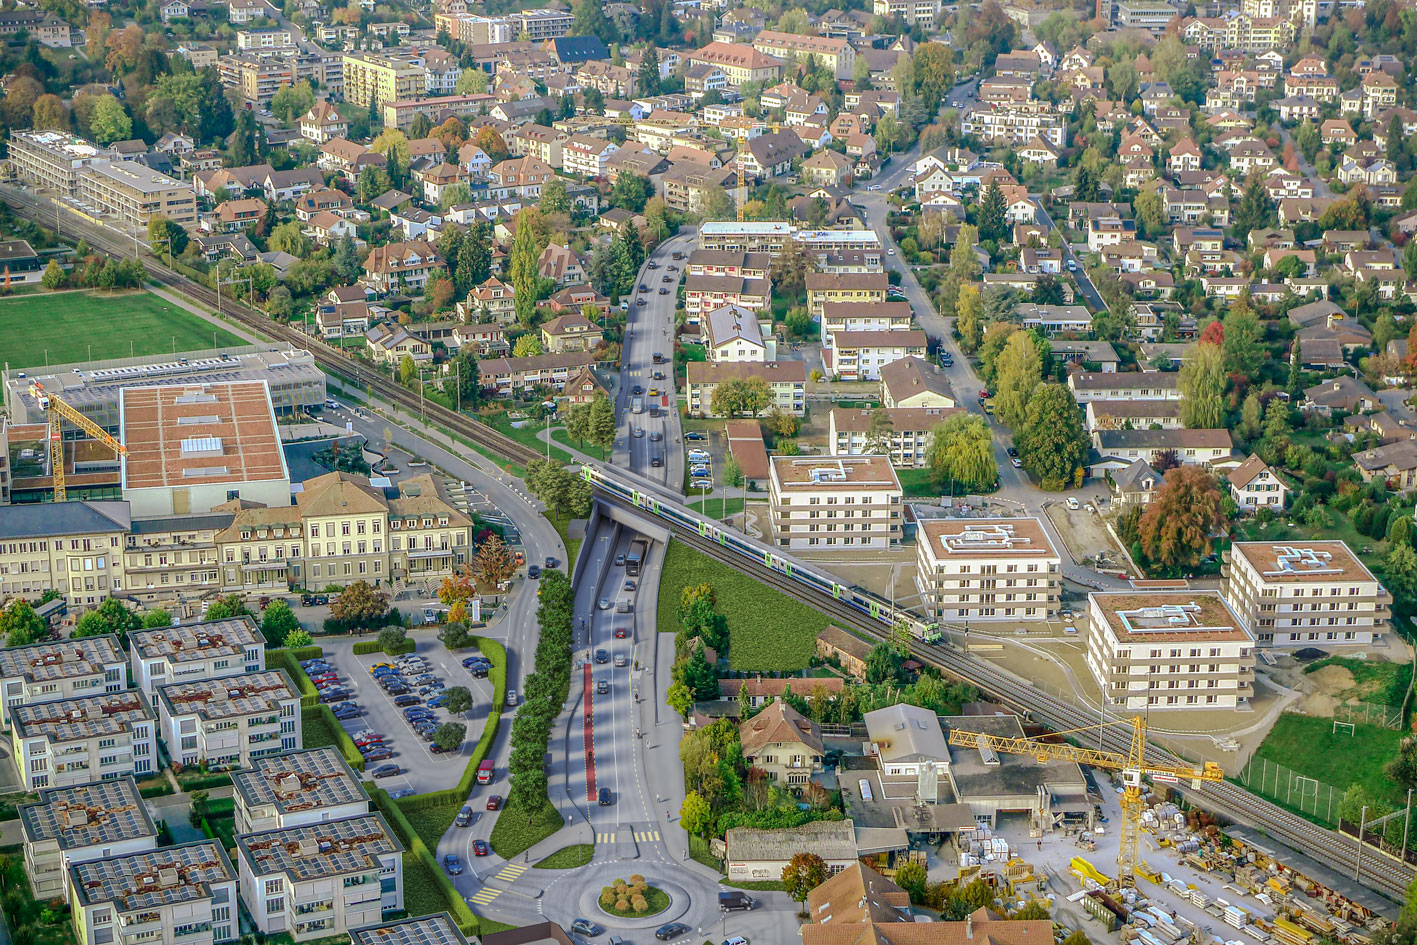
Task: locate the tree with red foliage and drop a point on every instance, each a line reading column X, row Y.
column 1176, row 527
column 1214, row 334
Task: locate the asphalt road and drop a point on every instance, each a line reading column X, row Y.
column 650, row 330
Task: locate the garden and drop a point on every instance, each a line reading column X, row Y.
column 634, row 899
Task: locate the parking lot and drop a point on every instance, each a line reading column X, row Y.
column 422, row 769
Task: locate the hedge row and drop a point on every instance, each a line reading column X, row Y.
column 457, row 906
column 342, row 739
column 289, row 660
column 367, row 647
column 497, row 653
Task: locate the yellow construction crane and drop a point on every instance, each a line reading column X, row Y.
column 59, row 412
column 1133, row 766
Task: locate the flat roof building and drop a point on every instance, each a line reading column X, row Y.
column 1312, row 593
column 135, row 193
column 231, row 721
column 296, row 788
column 423, row 930
column 194, row 447
column 76, row 824
column 93, row 388
column 317, row 880
column 1173, row 650
column 48, row 672
column 184, row 893
column 212, row 649
column 75, row 741
column 987, row 569
column 833, row 503
column 53, row 160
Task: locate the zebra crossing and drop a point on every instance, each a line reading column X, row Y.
column 484, row 896
column 605, row 838
column 646, row 836
column 510, row 872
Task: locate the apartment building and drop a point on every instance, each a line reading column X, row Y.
column 542, row 24
column 1016, row 122
column 860, row 355
column 424, row 930
column 849, row 503
column 180, row 894
column 586, row 155
column 786, row 379
column 839, row 288
column 832, row 53
column 752, row 236
column 732, row 333
column 53, row 160
column 1169, row 650
column 906, row 440
column 922, row 13
column 135, row 193
column 1315, row 593
column 987, row 570
column 49, row 672
column 297, row 788
column 377, row 80
column 318, row 880
column 77, row 824
column 75, row 548
column 863, row 316
column 257, row 79
column 1148, row 385
column 506, row 376
column 229, row 722
column 212, row 649
column 704, row 293
column 90, row 738
column 740, row 63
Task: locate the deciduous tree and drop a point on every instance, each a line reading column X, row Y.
column 1175, row 530
column 20, row 625
column 360, row 605
column 961, row 453
column 1202, row 385
column 495, row 561
column 802, row 874
column 1051, row 441
column 278, row 621
column 1018, row 372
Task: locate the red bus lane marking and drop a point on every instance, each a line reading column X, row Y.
column 589, row 736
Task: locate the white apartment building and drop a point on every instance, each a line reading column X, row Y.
column 231, row 721
column 212, row 649
column 987, row 569
column 1169, row 650
column 296, row 788
column 732, row 334
column 586, row 155
column 91, row 738
column 48, row 672
column 181, row 894
column 71, row 825
column 1314, row 593
column 850, row 503
column 922, row 13
column 907, row 441
column 318, row 880
column 1130, row 385
column 1016, row 122
column 860, row 355
column 863, row 316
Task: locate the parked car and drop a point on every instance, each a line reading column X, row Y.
column 345, row 714
column 695, row 435
column 474, row 659
column 385, row 771
column 437, row 702
column 368, row 738
column 479, row 670
column 335, row 695
column 407, row 699
column 379, row 755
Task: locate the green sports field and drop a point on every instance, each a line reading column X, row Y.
column 62, row 328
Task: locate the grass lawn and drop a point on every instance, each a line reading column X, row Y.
column 573, row 545
column 517, row 830
column 656, row 901
column 766, row 630
column 315, row 731
column 714, row 508
column 431, row 823
column 568, row 858
column 60, row 328
column 916, row 482
column 1309, row 746
column 1374, row 682
column 421, row 895
column 560, row 435
column 527, row 435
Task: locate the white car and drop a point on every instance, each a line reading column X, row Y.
column 890, row 251
column 701, row 484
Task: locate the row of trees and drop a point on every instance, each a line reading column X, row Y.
column 593, row 421
column 701, row 628
column 546, row 690
column 565, row 494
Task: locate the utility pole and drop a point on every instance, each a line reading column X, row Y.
column 1362, row 825
column 1406, row 823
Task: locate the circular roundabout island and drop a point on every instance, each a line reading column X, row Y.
column 633, row 899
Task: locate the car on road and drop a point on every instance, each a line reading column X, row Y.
column 602, row 687
column 658, row 358
column 586, row 927
column 620, row 659
column 601, row 656
column 452, row 864
column 653, row 265
column 550, row 562
column 639, row 432
column 663, row 291
column 643, row 287
column 464, row 816
column 511, row 698
column 1018, row 463
column 494, row 802
column 673, row 930
column 640, row 300
column 622, row 632
column 695, row 435
column 890, row 251
column 604, row 603
column 656, row 460
column 1072, row 265
column 629, row 584
column 379, row 754
column 667, row 279
column 385, row 771
column 658, row 375
column 533, row 572
column 480, row 848
column 637, row 390
column 1013, row 451
column 407, row 698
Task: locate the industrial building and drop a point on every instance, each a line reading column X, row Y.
column 1315, row 593
column 48, row 672
column 212, row 649
column 76, row 824
column 296, row 788
column 184, row 893
column 318, row 880
column 295, row 383
column 193, row 447
column 1173, row 650
column 230, row 721
column 91, row 738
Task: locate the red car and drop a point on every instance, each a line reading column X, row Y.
column 479, row 848
column 622, row 632
column 324, row 677
column 494, row 802
column 370, row 739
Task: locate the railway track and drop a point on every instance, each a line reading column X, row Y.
column 1380, row 872
column 329, row 358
